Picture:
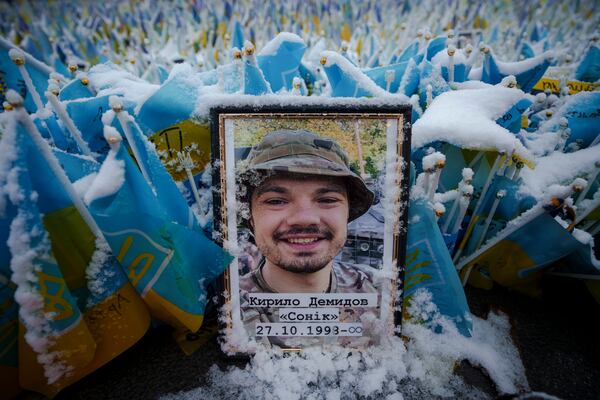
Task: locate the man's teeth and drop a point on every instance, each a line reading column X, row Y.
column 303, row 240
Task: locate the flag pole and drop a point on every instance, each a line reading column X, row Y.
column 44, row 148
column 18, row 58
column 62, row 114
column 123, row 117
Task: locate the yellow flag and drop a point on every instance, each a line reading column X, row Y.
column 346, row 34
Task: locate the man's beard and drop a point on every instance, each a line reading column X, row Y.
column 302, row 262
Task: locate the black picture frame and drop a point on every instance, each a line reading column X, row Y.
column 353, row 108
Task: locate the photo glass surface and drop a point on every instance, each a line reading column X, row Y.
column 311, row 205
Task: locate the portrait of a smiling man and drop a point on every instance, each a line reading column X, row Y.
column 300, row 207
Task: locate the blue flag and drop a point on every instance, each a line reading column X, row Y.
column 588, row 69
column 76, row 89
column 429, row 266
column 280, row 58
column 10, row 77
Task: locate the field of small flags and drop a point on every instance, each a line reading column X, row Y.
column 105, row 187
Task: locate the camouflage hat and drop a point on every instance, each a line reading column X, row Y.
column 303, row 152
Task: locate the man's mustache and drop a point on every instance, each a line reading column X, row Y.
column 306, row 230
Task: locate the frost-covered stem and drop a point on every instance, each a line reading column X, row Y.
column 193, row 185
column 594, row 230
column 467, row 274
column 591, row 181
column 426, row 180
column 46, row 152
column 517, row 172
column 503, row 166
column 595, row 141
column 29, row 83
column 433, row 185
column 429, row 95
column 488, row 220
column 451, row 214
column 510, row 172
column 389, row 78
column 587, row 226
column 123, row 117
column 242, row 75
column 464, row 204
column 451, row 50
column 479, row 202
column 64, row 117
column 488, row 181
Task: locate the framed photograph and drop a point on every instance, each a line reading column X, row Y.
column 311, row 200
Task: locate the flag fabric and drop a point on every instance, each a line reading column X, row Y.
column 527, row 72
column 435, row 46
column 518, row 258
column 511, row 119
column 581, row 112
column 76, row 89
column 167, row 193
column 430, row 75
column 279, row 60
column 347, row 80
column 166, row 118
column 254, row 80
column 410, row 52
column 394, row 71
column 238, row 36
column 168, row 263
column 429, row 266
column 10, row 76
column 588, row 69
column 87, row 319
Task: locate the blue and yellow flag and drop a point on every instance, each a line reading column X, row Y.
column 429, row 266
column 9, row 312
column 168, row 263
column 91, row 312
column 518, row 257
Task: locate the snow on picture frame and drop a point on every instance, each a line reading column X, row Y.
column 320, row 281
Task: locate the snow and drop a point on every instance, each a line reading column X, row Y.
column 466, row 118
column 109, row 179
column 83, row 184
column 346, row 66
column 515, row 68
column 419, row 367
column 431, row 161
column 96, row 278
column 271, row 47
column 203, row 107
column 442, row 58
column 560, row 168
column 110, row 79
